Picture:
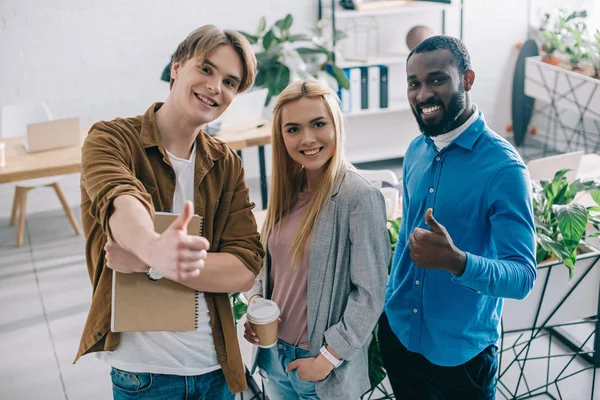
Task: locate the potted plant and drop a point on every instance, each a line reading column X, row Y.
column 560, row 295
column 561, row 223
column 550, row 44
column 577, row 48
column 554, row 29
column 283, row 56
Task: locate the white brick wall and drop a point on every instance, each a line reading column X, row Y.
column 100, row 59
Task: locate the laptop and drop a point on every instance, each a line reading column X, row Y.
column 245, row 111
column 55, row 134
column 545, row 168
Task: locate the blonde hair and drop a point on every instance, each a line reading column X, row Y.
column 201, row 42
column 289, row 177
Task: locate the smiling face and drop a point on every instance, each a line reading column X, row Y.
column 308, row 133
column 203, row 89
column 436, row 91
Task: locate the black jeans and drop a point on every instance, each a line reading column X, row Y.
column 413, row 377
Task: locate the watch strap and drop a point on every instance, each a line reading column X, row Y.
column 330, row 357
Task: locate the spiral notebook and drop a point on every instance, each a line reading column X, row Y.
column 142, row 305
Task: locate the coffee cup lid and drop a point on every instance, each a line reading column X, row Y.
column 263, row 311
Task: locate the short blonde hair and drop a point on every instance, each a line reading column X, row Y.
column 201, row 42
column 289, row 177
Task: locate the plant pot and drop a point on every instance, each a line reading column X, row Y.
column 551, row 59
column 554, row 299
column 567, row 89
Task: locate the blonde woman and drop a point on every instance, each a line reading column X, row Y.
column 327, row 254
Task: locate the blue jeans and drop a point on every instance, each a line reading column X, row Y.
column 129, row 385
column 280, row 384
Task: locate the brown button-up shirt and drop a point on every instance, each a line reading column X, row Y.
column 125, row 157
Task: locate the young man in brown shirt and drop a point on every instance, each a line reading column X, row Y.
column 162, row 161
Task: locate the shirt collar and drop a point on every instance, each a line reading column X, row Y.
column 150, row 137
column 473, row 128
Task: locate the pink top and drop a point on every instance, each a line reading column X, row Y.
column 290, row 285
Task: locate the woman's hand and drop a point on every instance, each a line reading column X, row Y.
column 249, row 333
column 312, row 369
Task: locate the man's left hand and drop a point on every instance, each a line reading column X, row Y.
column 312, row 369
column 435, row 249
column 120, row 260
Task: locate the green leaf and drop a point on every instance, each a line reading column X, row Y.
column 572, row 220
column 260, row 79
column 270, row 40
column 596, row 196
column 560, row 174
column 339, row 75
column 262, row 24
column 556, row 248
column 298, row 38
column 376, row 368
column 239, row 309
column 285, row 23
column 570, row 263
column 251, row 38
column 166, row 74
column 309, row 50
column 282, row 78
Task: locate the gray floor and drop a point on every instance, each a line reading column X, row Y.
column 44, row 297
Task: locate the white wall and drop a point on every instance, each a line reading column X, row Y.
column 100, row 59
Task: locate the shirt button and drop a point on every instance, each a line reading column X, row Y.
column 98, row 334
column 437, row 159
column 417, row 282
column 431, row 190
column 415, row 310
column 172, row 176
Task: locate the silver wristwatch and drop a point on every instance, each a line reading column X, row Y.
column 153, row 274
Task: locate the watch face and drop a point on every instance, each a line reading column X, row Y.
column 153, row 274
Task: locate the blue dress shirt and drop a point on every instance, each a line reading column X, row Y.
column 479, row 189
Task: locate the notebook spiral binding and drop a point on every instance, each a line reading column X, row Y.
column 196, row 299
column 196, row 307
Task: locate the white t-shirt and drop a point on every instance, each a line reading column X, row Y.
column 445, row 139
column 174, row 353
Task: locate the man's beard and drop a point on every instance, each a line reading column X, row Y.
column 455, row 109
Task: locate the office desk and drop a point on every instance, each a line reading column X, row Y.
column 21, row 165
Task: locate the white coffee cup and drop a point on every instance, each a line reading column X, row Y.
column 2, row 154
column 262, row 316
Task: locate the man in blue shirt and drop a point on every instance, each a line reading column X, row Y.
column 467, row 238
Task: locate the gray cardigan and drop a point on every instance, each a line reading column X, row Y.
column 347, row 275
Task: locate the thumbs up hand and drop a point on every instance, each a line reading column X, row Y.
column 434, row 248
column 175, row 254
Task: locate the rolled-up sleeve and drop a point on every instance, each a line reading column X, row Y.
column 107, row 172
column 369, row 257
column 240, row 236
